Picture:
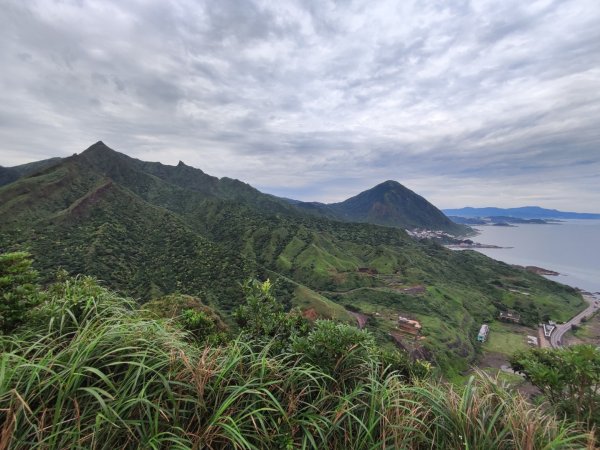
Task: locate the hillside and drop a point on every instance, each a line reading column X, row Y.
column 389, row 204
column 10, row 174
column 146, row 229
column 86, row 368
column 525, row 212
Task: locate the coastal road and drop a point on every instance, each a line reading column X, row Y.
column 557, row 335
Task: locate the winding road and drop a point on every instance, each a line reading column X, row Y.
column 558, row 333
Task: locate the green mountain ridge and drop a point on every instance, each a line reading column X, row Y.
column 10, row 174
column 146, row 230
column 388, row 204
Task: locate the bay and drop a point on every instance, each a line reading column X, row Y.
column 571, row 248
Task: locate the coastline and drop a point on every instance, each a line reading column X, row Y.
column 566, row 254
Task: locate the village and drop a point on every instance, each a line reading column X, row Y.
column 448, row 240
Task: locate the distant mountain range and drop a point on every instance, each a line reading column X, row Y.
column 146, row 229
column 525, row 212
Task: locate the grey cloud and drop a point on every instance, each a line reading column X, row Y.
column 314, row 99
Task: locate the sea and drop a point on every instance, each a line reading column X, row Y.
column 570, row 247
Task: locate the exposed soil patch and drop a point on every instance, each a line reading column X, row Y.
column 310, row 314
column 90, row 199
column 413, row 290
column 494, row 360
column 361, row 319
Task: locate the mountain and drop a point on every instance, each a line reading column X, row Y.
column 388, row 204
column 525, row 212
column 148, row 229
column 10, row 174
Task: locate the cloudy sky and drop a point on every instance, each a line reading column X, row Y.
column 466, row 102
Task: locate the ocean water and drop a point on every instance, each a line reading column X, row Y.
column 571, row 248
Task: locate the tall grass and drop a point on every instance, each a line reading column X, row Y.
column 117, row 380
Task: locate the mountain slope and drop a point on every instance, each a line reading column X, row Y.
column 525, row 212
column 10, row 174
column 170, row 186
column 147, row 229
column 388, row 204
column 74, row 218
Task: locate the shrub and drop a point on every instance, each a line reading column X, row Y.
column 94, row 372
column 18, row 292
column 568, row 377
column 337, row 348
column 261, row 317
column 203, row 323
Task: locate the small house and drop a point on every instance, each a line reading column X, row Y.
column 484, row 331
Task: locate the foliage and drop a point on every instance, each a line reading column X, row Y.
column 18, row 292
column 202, row 327
column 149, row 230
column 203, row 323
column 568, row 377
column 122, row 380
column 336, row 347
column 401, row 363
column 262, row 317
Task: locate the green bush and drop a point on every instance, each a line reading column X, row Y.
column 262, row 318
column 18, row 292
column 568, row 377
column 336, row 347
column 202, row 322
column 93, row 372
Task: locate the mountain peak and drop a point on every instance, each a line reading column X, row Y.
column 392, row 204
column 389, row 184
column 98, row 147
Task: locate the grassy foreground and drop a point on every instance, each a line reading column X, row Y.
column 89, row 370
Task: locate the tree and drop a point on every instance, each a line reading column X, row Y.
column 568, row 377
column 262, row 318
column 18, row 292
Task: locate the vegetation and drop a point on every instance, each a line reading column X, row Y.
column 202, row 322
column 503, row 339
column 389, row 204
column 88, row 369
column 262, row 318
column 569, row 378
column 17, row 290
column 148, row 230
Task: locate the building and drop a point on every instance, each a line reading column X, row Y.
column 548, row 328
column 484, row 331
column 509, row 316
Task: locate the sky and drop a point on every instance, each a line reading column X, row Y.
column 468, row 103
